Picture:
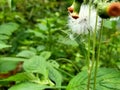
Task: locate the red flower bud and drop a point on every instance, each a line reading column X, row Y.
column 75, row 15
column 70, row 9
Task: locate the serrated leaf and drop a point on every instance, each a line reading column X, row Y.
column 8, row 28
column 27, row 86
column 24, row 76
column 45, row 54
column 26, row 54
column 107, row 79
column 36, row 64
column 54, row 75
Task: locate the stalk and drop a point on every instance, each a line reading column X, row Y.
column 94, row 44
column 93, row 55
column 77, row 4
column 89, row 67
column 88, row 62
column 98, row 57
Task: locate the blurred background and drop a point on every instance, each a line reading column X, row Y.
column 36, row 26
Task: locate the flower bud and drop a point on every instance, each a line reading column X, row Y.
column 114, row 9
column 75, row 8
column 75, row 15
column 107, row 10
column 70, row 9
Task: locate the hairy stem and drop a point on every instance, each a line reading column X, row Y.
column 93, row 54
column 98, row 57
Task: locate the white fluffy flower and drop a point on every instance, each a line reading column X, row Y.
column 85, row 23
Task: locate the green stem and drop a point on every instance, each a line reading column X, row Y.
column 77, row 4
column 68, row 74
column 98, row 57
column 94, row 44
column 93, row 55
column 88, row 59
column 88, row 62
column 67, row 60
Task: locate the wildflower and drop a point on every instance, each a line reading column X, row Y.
column 85, row 23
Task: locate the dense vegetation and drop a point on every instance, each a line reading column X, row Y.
column 37, row 53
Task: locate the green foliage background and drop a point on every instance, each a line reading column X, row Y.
column 36, row 33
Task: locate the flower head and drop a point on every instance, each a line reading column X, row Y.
column 114, row 9
column 109, row 9
column 85, row 23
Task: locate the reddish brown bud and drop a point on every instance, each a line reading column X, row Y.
column 114, row 9
column 75, row 15
column 70, row 9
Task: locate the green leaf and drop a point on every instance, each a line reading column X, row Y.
column 8, row 28
column 42, row 26
column 6, row 66
column 107, row 24
column 9, row 3
column 40, row 48
column 36, row 64
column 26, row 54
column 45, row 54
column 24, row 76
column 37, row 33
column 67, row 41
column 4, row 37
column 107, row 79
column 53, row 63
column 2, row 45
column 55, row 76
column 27, row 86
column 118, row 64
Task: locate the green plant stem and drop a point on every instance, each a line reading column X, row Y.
column 67, row 60
column 88, row 62
column 98, row 57
column 68, row 74
column 88, row 56
column 94, row 44
column 93, row 54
